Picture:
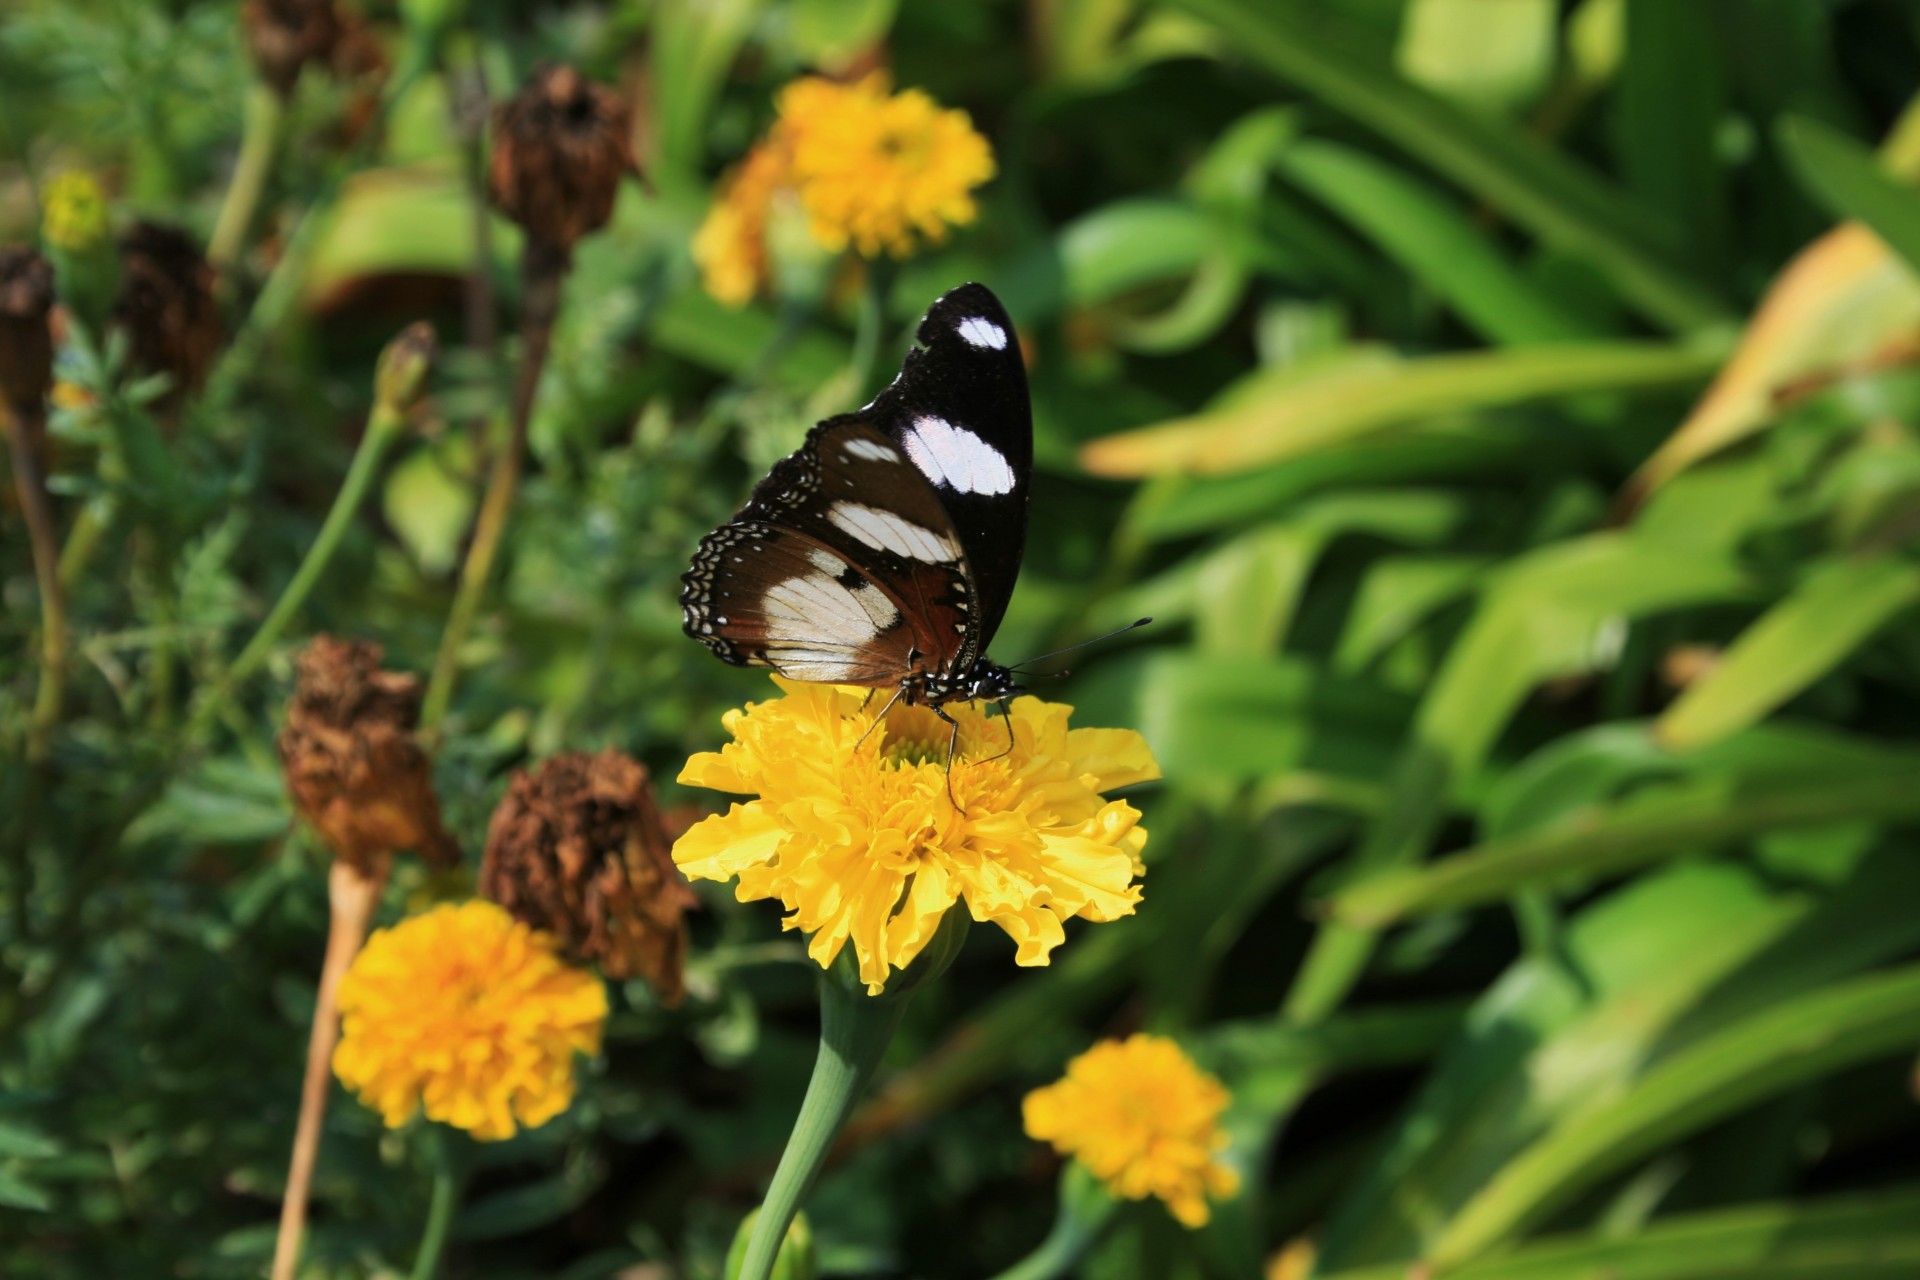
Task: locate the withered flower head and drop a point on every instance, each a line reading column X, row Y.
column 577, row 849
column 285, row 35
column 352, row 764
column 166, row 306
column 26, row 341
column 560, row 146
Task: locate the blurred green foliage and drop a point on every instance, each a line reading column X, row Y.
column 1535, row 859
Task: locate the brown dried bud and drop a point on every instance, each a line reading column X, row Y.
column 560, row 146
column 352, row 764
column 401, row 375
column 577, row 848
column 26, row 337
column 166, row 306
column 285, row 35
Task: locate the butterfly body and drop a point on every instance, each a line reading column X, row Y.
column 883, row 551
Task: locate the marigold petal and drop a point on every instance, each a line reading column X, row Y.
column 724, row 845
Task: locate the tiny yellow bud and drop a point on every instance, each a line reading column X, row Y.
column 73, row 212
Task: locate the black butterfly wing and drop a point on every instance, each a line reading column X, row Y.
column 920, row 498
column 959, row 410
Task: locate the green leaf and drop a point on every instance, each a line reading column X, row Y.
column 1487, row 53
column 1844, row 177
column 1864, row 1237
column 693, row 45
column 1271, row 717
column 226, row 801
column 1661, row 824
column 1274, row 416
column 1786, row 1045
column 1830, row 616
column 1433, row 238
column 17, row 1193
column 429, row 503
column 1542, row 190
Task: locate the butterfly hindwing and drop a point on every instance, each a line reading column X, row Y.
column 760, row 595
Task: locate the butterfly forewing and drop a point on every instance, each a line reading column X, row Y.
column 959, row 410
column 888, row 543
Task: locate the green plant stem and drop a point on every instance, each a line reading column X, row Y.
column 282, row 288
column 1085, row 1211
column 855, row 1030
column 83, row 539
column 544, row 269
column 446, row 1198
column 43, row 540
column 384, row 427
column 868, row 322
column 260, row 138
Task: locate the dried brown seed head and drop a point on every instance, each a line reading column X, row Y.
column 166, row 306
column 285, row 35
column 560, row 147
column 26, row 337
column 352, row 764
column 577, row 848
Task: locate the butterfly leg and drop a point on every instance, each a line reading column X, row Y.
column 1006, row 716
column 953, row 741
column 879, row 719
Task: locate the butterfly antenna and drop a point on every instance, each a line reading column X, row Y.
column 1135, row 625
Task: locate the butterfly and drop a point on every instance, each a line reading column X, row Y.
column 882, row 553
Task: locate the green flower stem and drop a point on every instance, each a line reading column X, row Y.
column 1085, row 1211
column 868, row 322
column 446, row 1198
column 855, row 1030
column 544, row 269
column 260, row 139
column 384, row 427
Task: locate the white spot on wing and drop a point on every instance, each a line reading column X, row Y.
column 889, row 532
column 982, row 332
column 815, row 608
column 957, row 458
column 871, row 451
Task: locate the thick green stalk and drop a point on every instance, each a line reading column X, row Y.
column 855, row 1029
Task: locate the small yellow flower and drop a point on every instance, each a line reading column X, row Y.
column 871, row 170
column 731, row 245
column 1143, row 1119
column 861, row 843
column 470, row 1015
column 874, row 169
column 73, row 212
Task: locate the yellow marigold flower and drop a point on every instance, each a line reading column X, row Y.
column 73, row 212
column 731, row 245
column 469, row 1015
column 873, row 168
column 1143, row 1119
column 861, row 843
column 869, row 169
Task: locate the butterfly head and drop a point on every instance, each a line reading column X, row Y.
column 984, row 681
